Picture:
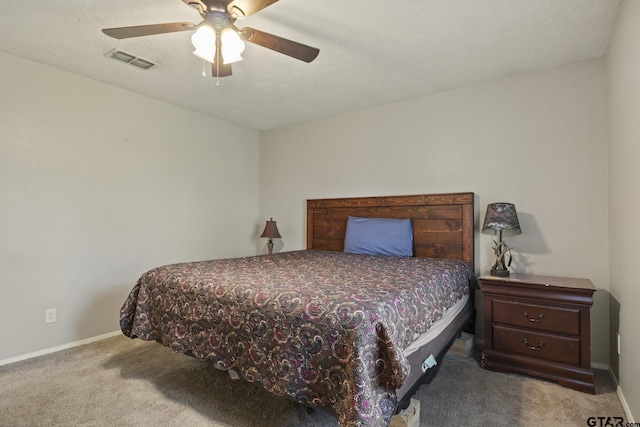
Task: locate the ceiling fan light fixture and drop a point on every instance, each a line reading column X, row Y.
column 232, row 46
column 204, row 41
column 216, row 39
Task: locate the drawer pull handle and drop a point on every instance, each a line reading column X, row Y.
column 536, row 319
column 535, row 348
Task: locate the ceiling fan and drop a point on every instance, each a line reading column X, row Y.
column 217, row 40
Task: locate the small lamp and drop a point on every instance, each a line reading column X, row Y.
column 502, row 219
column 271, row 232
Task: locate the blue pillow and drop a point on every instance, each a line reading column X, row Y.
column 379, row 236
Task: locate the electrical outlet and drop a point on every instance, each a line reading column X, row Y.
column 50, row 315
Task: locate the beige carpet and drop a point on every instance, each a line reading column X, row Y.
column 124, row 382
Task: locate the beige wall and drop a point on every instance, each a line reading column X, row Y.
column 538, row 140
column 97, row 185
column 623, row 66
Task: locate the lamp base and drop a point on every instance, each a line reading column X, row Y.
column 499, row 273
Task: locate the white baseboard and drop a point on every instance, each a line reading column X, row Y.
column 625, row 406
column 58, row 348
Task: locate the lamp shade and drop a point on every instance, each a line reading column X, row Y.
column 501, row 217
column 271, row 230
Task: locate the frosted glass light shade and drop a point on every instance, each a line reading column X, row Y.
column 204, row 40
column 232, row 46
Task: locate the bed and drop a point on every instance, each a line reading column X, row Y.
column 352, row 332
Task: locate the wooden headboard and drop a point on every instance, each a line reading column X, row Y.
column 443, row 224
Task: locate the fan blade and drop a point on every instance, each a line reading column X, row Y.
column 288, row 47
column 223, row 71
column 148, row 30
column 241, row 8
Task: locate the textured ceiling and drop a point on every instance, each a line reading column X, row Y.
column 372, row 52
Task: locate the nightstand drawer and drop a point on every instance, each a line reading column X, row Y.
column 555, row 319
column 535, row 344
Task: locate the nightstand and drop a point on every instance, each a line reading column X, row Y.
column 539, row 326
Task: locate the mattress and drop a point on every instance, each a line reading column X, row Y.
column 431, row 343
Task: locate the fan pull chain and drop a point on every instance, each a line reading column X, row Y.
column 204, row 69
column 218, row 71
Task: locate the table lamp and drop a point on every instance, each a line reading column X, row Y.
column 271, row 232
column 502, row 219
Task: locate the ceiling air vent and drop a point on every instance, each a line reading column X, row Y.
column 130, row 59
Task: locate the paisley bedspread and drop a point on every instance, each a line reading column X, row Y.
column 322, row 328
